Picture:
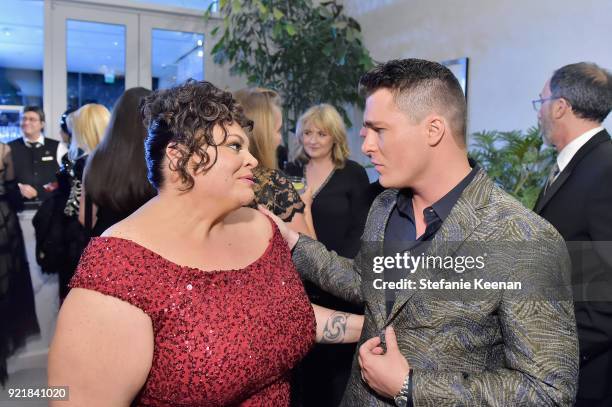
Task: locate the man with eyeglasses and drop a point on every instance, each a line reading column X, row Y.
column 35, row 158
column 577, row 200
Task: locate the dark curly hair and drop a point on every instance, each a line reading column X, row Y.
column 183, row 118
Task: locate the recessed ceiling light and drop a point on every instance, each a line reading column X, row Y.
column 200, row 53
column 115, row 43
column 7, row 32
column 200, row 43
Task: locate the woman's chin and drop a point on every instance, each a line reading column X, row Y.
column 247, row 199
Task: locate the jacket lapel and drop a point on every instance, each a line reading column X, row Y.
column 375, row 299
column 457, row 227
column 543, row 199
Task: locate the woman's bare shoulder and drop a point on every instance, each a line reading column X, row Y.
column 90, row 302
column 252, row 220
column 129, row 228
column 100, row 343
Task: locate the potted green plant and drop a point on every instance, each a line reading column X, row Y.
column 309, row 53
column 517, row 161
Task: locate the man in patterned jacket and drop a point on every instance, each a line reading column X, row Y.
column 513, row 343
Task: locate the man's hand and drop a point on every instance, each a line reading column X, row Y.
column 290, row 236
column 27, row 191
column 383, row 372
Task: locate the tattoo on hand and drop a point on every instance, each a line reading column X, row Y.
column 335, row 328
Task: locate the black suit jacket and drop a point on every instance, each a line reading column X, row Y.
column 35, row 167
column 579, row 205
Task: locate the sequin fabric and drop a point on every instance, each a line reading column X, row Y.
column 222, row 338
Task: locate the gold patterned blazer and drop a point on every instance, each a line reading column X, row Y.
column 496, row 348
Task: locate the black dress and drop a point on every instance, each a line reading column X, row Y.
column 75, row 236
column 339, row 211
column 17, row 310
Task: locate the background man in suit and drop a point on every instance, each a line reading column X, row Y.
column 577, row 200
column 34, row 157
column 494, row 348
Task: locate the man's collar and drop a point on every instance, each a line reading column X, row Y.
column 444, row 205
column 568, row 152
column 41, row 140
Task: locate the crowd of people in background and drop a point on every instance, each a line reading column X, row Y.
column 174, row 232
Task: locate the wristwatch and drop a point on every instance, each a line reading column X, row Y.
column 401, row 400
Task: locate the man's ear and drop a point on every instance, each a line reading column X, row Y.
column 435, row 128
column 560, row 108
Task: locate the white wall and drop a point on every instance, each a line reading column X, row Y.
column 513, row 46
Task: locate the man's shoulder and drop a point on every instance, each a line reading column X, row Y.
column 512, row 220
column 16, row 142
column 51, row 142
column 595, row 154
column 385, row 199
column 379, row 210
column 601, row 155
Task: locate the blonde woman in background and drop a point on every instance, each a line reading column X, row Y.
column 272, row 188
column 339, row 190
column 88, row 126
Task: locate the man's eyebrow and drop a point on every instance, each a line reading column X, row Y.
column 373, row 124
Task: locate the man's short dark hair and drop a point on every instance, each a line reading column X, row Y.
column 586, row 87
column 36, row 109
column 420, row 87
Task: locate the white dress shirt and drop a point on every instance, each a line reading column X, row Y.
column 570, row 150
column 40, row 139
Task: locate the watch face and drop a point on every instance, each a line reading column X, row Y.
column 401, row 401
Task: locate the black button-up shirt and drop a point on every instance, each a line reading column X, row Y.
column 400, row 232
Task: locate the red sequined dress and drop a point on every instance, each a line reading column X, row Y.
column 221, row 338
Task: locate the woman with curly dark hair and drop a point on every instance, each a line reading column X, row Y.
column 193, row 299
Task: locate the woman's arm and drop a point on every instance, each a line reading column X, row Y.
column 336, row 326
column 102, row 350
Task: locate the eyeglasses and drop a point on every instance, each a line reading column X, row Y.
column 537, row 104
column 29, row 119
